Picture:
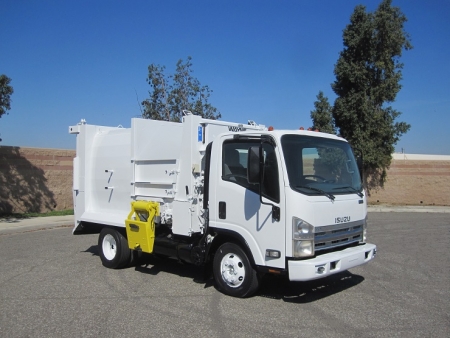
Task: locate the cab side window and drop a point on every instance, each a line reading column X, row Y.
column 234, row 161
column 234, row 167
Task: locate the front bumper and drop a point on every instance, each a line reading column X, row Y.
column 331, row 263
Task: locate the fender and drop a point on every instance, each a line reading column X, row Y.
column 227, row 235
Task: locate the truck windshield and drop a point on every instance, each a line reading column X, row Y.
column 320, row 166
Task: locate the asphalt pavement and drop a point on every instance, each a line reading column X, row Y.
column 53, row 284
column 12, row 224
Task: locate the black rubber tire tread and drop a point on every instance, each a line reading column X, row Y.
column 124, row 256
column 251, row 279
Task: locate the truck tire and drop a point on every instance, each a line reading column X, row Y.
column 113, row 247
column 233, row 273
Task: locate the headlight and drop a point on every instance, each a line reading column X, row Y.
column 364, row 230
column 301, row 229
column 302, row 238
column 303, row 248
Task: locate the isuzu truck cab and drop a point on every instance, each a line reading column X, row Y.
column 245, row 200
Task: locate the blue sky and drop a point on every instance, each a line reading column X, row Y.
column 264, row 60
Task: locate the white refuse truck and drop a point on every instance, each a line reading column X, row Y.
column 243, row 200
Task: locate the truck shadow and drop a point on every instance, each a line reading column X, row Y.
column 273, row 287
column 93, row 249
column 153, row 265
column 306, row 292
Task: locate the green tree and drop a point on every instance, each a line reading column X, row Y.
column 322, row 115
column 170, row 95
column 368, row 74
column 157, row 106
column 322, row 118
column 5, row 94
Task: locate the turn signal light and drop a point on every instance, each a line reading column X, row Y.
column 273, row 253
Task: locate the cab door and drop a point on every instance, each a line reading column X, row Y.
column 235, row 203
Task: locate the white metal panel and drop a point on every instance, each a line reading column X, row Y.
column 155, row 178
column 85, row 135
column 76, row 173
column 150, row 191
column 155, row 172
column 182, row 218
column 155, row 140
column 186, row 195
column 110, row 172
column 155, row 152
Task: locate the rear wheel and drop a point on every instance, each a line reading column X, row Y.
column 113, row 247
column 233, row 272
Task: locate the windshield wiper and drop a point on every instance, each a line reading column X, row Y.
column 330, row 196
column 359, row 193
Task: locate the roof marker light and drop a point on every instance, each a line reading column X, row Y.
column 270, row 128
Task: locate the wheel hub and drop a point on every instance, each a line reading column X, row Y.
column 233, row 271
column 109, row 247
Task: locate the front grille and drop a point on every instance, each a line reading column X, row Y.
column 337, row 235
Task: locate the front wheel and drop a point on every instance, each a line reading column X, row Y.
column 113, row 247
column 233, row 272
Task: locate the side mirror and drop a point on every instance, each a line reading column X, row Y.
column 253, row 165
column 255, row 172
